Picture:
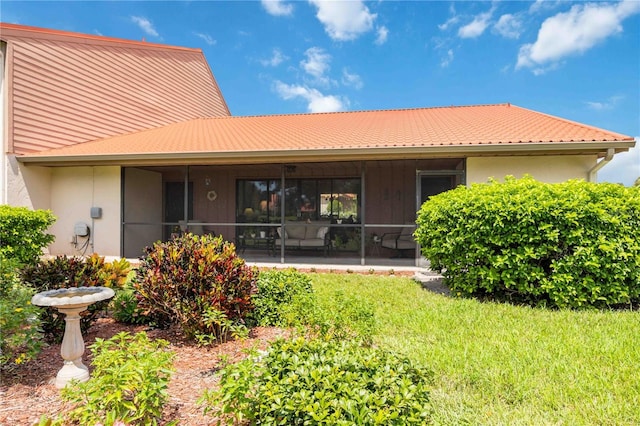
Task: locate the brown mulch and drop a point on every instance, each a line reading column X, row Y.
column 27, row 392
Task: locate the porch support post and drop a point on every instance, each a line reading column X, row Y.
column 282, row 212
column 186, row 197
column 363, row 245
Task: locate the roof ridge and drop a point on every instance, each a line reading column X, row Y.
column 298, row 114
column 69, row 36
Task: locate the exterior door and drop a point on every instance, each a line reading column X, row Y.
column 431, row 185
column 174, row 204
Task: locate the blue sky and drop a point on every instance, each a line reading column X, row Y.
column 577, row 60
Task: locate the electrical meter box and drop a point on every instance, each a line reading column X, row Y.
column 96, row 212
column 81, row 229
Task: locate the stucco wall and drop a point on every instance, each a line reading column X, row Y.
column 74, row 190
column 27, row 186
column 4, row 133
column 544, row 168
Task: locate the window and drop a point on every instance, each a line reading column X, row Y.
column 258, row 201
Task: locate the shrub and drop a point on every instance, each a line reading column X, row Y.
column 573, row 244
column 321, row 382
column 19, row 324
column 66, row 272
column 198, row 282
column 125, row 307
column 281, row 298
column 23, row 233
column 128, row 383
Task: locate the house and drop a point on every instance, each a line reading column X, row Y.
column 129, row 142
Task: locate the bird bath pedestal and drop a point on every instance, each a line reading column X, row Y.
column 72, row 301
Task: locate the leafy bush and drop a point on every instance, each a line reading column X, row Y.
column 67, row 272
column 19, row 324
column 128, row 383
column 321, row 382
column 280, row 298
column 198, row 282
column 573, row 244
column 125, row 307
column 23, row 233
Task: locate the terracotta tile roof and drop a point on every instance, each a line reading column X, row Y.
column 68, row 88
column 482, row 128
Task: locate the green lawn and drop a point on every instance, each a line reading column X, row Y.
column 498, row 364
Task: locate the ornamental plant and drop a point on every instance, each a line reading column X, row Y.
column 310, row 382
column 566, row 245
column 19, row 323
column 128, row 384
column 198, row 282
column 23, row 233
column 66, row 272
column 125, row 309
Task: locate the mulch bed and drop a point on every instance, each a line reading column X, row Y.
column 27, row 392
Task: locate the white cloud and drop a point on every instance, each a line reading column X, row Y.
column 508, row 26
column 352, row 80
column 317, row 62
column 476, row 27
column 277, row 7
column 447, row 60
column 606, row 105
column 145, row 25
column 383, row 33
column 451, row 21
column 624, row 168
column 316, row 101
column 574, row 32
column 207, row 38
column 277, row 57
column 544, row 5
column 344, row 20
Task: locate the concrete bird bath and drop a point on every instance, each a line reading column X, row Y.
column 72, row 301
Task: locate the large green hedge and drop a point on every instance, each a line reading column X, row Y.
column 572, row 244
column 23, row 232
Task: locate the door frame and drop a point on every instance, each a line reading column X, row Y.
column 422, row 173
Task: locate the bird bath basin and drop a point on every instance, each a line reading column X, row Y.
column 72, row 301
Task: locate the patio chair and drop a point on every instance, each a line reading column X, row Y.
column 401, row 241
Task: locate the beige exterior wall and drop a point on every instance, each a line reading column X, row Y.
column 27, row 186
column 550, row 169
column 74, row 190
column 4, row 132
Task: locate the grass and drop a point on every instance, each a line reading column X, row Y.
column 498, row 364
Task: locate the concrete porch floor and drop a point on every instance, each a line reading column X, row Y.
column 429, row 280
column 335, row 261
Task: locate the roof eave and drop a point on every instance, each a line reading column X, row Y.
column 324, row 154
